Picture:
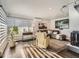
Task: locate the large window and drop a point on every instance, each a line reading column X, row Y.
column 3, row 26
column 18, row 22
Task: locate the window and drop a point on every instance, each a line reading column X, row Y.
column 3, row 26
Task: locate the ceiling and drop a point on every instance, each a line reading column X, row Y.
column 35, row 8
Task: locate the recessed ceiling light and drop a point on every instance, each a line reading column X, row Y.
column 50, row 8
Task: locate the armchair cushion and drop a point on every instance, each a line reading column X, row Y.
column 41, row 40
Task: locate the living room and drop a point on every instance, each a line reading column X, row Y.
column 33, row 30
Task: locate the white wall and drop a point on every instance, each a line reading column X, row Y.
column 47, row 23
column 73, row 21
column 74, row 18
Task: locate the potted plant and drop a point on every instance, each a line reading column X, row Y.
column 15, row 29
column 13, row 32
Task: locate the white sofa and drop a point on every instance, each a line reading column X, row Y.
column 27, row 36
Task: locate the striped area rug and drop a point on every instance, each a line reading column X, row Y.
column 32, row 51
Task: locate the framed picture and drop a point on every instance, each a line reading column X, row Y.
column 62, row 24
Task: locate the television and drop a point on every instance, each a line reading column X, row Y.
column 62, row 24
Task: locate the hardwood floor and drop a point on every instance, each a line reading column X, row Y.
column 55, row 45
column 13, row 53
column 68, row 54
